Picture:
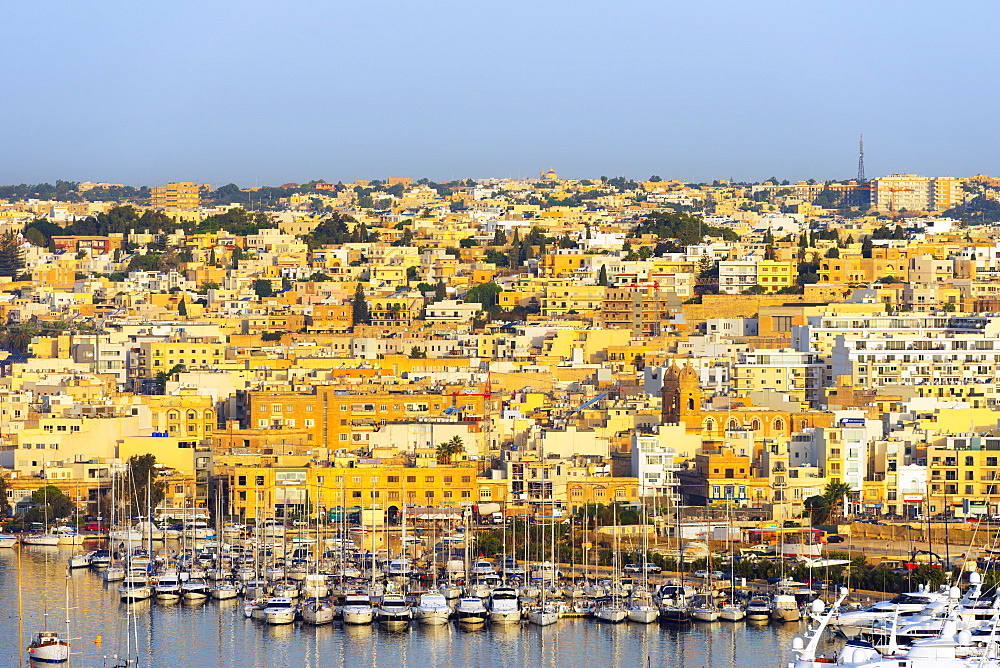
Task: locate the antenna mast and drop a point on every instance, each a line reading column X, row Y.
column 861, row 159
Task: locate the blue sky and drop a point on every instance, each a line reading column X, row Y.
column 251, row 92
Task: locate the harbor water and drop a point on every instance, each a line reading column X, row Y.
column 217, row 634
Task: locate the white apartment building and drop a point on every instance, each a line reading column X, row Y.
column 799, row 374
column 820, row 333
column 737, row 276
column 918, row 357
column 655, row 465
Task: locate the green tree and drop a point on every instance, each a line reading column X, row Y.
column 834, row 493
column 49, row 503
column 360, row 315
column 487, row 294
column 5, row 487
column 447, row 450
column 162, row 377
column 11, row 258
column 440, row 291
column 142, row 472
column 866, row 247
column 833, row 252
column 499, row 238
column 262, row 288
column 35, row 236
column 602, row 275
column 182, row 309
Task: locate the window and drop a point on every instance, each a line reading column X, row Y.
column 392, row 479
column 428, row 478
column 429, row 494
column 466, row 478
column 411, row 478
column 259, row 480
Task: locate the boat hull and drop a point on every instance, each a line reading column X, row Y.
column 643, row 615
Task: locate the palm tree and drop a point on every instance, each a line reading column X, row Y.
column 450, row 448
column 834, row 495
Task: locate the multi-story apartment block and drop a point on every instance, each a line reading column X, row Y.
column 738, row 276
column 645, row 310
column 181, row 195
column 152, row 357
column 918, row 358
column 964, row 475
column 800, row 375
column 915, row 193
column 294, row 491
column 569, row 297
column 345, row 417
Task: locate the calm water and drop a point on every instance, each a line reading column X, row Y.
column 217, row 634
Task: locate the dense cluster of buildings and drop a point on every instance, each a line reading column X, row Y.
column 522, row 342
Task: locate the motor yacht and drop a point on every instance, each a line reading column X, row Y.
column 358, row 609
column 471, row 611
column 394, row 611
column 432, row 609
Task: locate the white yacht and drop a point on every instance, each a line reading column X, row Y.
column 393, row 611
column 704, row 609
column 135, row 587
column 470, row 611
column 849, row 623
column 432, row 609
column 317, row 611
column 224, row 590
column 278, row 610
column 358, row 609
column 640, row 607
column 504, row 606
column 48, row 647
column 79, row 561
column 611, row 610
column 195, row 589
column 784, row 608
column 544, row 614
column 168, row 587
column 758, row 608
column 732, row 612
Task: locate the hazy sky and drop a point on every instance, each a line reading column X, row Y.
column 219, row 91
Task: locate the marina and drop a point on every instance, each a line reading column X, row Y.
column 213, row 632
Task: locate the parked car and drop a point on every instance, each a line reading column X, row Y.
column 834, row 539
column 95, row 527
column 651, row 568
column 633, row 568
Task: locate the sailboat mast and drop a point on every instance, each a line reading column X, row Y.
column 69, row 651
column 20, row 616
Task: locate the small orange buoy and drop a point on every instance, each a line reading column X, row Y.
column 99, row 640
